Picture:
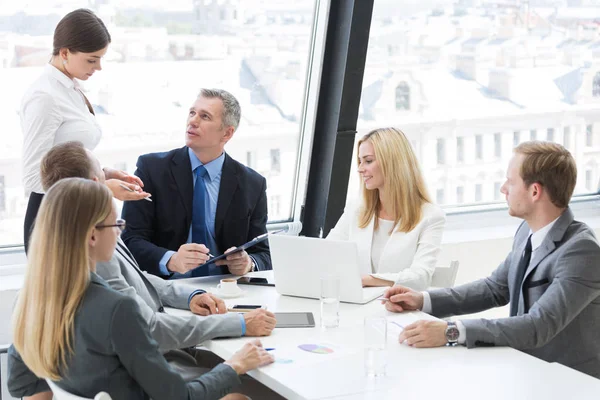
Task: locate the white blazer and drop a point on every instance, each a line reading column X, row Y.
column 408, row 258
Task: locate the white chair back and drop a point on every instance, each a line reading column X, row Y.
column 60, row 394
column 444, row 277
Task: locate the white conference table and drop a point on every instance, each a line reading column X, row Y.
column 443, row 373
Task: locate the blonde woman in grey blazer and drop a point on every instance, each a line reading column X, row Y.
column 176, row 335
column 551, row 277
column 71, row 328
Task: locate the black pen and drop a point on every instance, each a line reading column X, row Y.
column 131, row 190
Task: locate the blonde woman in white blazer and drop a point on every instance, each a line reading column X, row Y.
column 397, row 229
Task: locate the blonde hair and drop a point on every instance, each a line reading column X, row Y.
column 550, row 165
column 405, row 191
column 58, row 274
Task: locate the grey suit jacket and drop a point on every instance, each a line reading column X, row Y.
column 171, row 332
column 558, row 317
column 114, row 352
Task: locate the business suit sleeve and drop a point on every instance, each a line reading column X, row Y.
column 341, row 231
column 172, row 293
column 575, row 285
column 140, row 217
column 139, row 354
column 258, row 226
column 21, row 381
column 418, row 276
column 170, row 331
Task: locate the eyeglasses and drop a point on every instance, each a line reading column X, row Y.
column 120, row 224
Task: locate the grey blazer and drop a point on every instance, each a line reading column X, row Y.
column 114, row 352
column 560, row 321
column 171, row 332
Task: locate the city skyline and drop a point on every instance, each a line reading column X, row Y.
column 465, row 86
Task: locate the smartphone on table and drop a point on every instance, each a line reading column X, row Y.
column 251, row 280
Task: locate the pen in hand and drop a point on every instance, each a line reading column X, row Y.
column 131, row 190
column 397, row 324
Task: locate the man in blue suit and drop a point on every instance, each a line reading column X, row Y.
column 203, row 201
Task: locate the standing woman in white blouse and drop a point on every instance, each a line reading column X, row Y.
column 398, row 230
column 54, row 109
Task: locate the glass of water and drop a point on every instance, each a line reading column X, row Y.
column 375, row 329
column 330, row 301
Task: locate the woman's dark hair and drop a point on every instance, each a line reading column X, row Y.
column 80, row 31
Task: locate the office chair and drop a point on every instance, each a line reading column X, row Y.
column 444, row 277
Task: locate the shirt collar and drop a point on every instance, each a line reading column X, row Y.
column 95, row 278
column 538, row 237
column 213, row 168
column 59, row 76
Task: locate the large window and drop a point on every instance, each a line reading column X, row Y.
column 596, row 85
column 460, row 149
column 485, row 76
column 162, row 53
column 460, row 194
column 441, row 151
column 479, row 147
column 402, row 96
column 567, row 137
column 498, row 145
column 533, row 135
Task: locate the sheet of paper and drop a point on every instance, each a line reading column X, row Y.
column 399, row 321
column 309, row 353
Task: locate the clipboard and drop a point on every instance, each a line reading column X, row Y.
column 244, row 246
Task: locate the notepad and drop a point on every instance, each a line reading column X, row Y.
column 245, row 246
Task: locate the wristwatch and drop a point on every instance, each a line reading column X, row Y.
column 252, row 265
column 452, row 334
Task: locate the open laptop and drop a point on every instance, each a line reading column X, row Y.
column 299, row 262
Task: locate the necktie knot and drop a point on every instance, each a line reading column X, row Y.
column 200, row 171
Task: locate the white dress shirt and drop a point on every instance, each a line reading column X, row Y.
column 536, row 241
column 53, row 111
column 380, row 239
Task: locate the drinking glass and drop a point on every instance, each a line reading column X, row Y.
column 375, row 330
column 330, row 301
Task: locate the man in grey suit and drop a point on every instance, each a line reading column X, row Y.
column 152, row 293
column 551, row 277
